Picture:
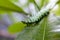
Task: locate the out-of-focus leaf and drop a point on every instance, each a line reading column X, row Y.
column 16, row 27
column 8, row 5
column 57, row 10
column 2, row 11
column 31, row 1
column 41, row 3
column 14, row 0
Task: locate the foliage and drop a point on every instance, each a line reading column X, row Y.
column 8, row 5
column 16, row 27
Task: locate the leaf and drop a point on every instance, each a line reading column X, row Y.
column 41, row 31
column 41, row 3
column 36, row 32
column 8, row 5
column 16, row 27
column 57, row 11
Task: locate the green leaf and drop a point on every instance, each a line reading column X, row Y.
column 41, row 3
column 8, row 5
column 41, row 31
column 16, row 27
column 57, row 11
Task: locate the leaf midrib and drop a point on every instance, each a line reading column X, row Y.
column 44, row 32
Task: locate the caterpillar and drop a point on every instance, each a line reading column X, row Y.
column 43, row 12
column 38, row 17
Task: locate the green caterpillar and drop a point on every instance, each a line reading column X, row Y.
column 35, row 19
